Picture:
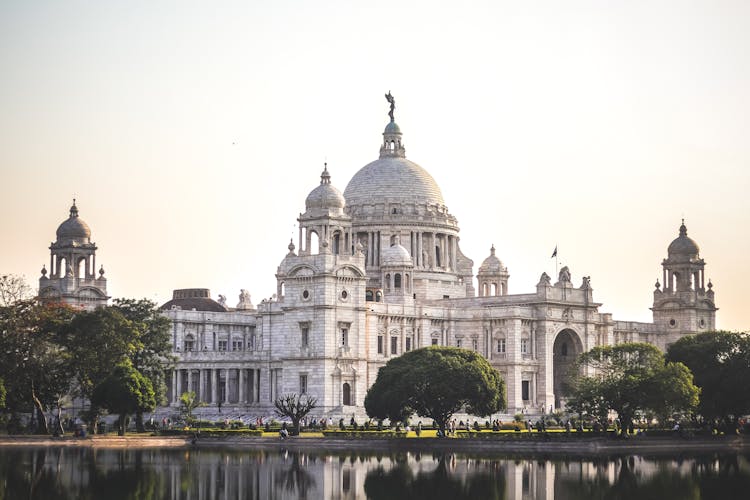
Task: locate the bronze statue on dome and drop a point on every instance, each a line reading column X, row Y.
column 391, row 100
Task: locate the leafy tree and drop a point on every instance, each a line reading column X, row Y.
column 2, row 393
column 124, row 391
column 720, row 363
column 151, row 354
column 189, row 402
column 631, row 378
column 294, row 407
column 36, row 370
column 436, row 382
column 97, row 341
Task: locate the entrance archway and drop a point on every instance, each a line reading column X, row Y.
column 565, row 350
column 347, row 390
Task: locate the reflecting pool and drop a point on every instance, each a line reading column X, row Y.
column 197, row 474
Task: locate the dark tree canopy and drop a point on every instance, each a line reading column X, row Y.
column 631, row 378
column 436, row 382
column 720, row 362
column 125, row 390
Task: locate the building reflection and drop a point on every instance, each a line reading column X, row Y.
column 198, row 474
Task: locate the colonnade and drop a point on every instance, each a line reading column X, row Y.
column 217, row 385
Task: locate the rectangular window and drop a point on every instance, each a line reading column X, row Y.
column 408, row 344
column 344, row 337
column 394, row 345
column 303, row 384
column 380, row 344
column 434, row 341
column 501, row 346
column 524, row 346
column 525, row 390
column 305, row 336
column 458, row 342
column 236, row 345
column 474, row 344
column 189, row 345
column 251, row 342
column 222, row 345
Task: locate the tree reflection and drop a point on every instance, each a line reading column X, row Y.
column 399, row 482
column 295, row 477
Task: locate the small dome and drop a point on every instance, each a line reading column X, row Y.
column 193, row 299
column 325, row 196
column 74, row 228
column 396, row 255
column 392, row 128
column 682, row 245
column 491, row 265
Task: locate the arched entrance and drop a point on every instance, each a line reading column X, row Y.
column 565, row 350
column 347, row 396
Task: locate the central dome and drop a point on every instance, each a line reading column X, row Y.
column 394, row 179
column 74, row 228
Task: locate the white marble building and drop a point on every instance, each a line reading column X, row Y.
column 378, row 271
column 375, row 272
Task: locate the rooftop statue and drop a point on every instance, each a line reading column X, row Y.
column 391, row 100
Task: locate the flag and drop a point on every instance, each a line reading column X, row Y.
column 554, row 254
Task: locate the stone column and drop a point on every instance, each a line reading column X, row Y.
column 240, row 385
column 179, row 384
column 174, row 386
column 189, row 380
column 201, row 385
column 226, row 385
column 256, row 385
column 214, row 385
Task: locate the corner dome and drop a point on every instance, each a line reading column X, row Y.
column 491, row 265
column 74, row 228
column 325, row 196
column 393, row 179
column 193, row 299
column 396, row 255
column 683, row 246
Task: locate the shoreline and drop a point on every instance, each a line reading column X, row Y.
column 572, row 447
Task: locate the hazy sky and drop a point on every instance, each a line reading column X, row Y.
column 191, row 133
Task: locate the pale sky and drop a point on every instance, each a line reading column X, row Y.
column 191, row 133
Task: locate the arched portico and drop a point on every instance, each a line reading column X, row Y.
column 565, row 350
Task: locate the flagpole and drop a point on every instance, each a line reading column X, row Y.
column 557, row 273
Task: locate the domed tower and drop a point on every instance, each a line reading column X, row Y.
column 324, row 227
column 397, row 269
column 72, row 265
column 492, row 276
column 393, row 196
column 686, row 302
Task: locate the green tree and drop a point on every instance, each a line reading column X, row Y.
column 36, row 369
column 124, row 391
column 629, row 379
column 189, row 402
column 2, row 393
column 436, row 382
column 152, row 353
column 97, row 341
column 720, row 363
column 294, row 407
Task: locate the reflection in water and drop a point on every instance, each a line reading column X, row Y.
column 84, row 473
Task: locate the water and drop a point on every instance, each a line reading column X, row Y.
column 112, row 474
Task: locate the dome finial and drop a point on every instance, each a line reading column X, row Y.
column 74, row 209
column 683, row 228
column 325, row 177
column 492, row 249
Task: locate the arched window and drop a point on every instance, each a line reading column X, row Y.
column 347, row 394
column 397, row 281
column 564, row 349
column 189, row 343
column 369, row 296
column 336, row 243
column 82, row 267
column 387, row 281
column 437, row 257
column 314, row 243
column 62, row 268
column 378, row 296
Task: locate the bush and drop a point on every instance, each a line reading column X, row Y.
column 215, row 432
column 350, row 434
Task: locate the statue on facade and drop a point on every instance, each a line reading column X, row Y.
column 391, row 100
column 222, row 300
column 586, row 283
column 544, row 279
column 564, row 276
column 245, row 302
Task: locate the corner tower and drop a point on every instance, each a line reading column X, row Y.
column 72, row 267
column 686, row 302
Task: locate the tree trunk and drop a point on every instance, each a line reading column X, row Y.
column 121, row 423
column 139, row 422
column 42, row 427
